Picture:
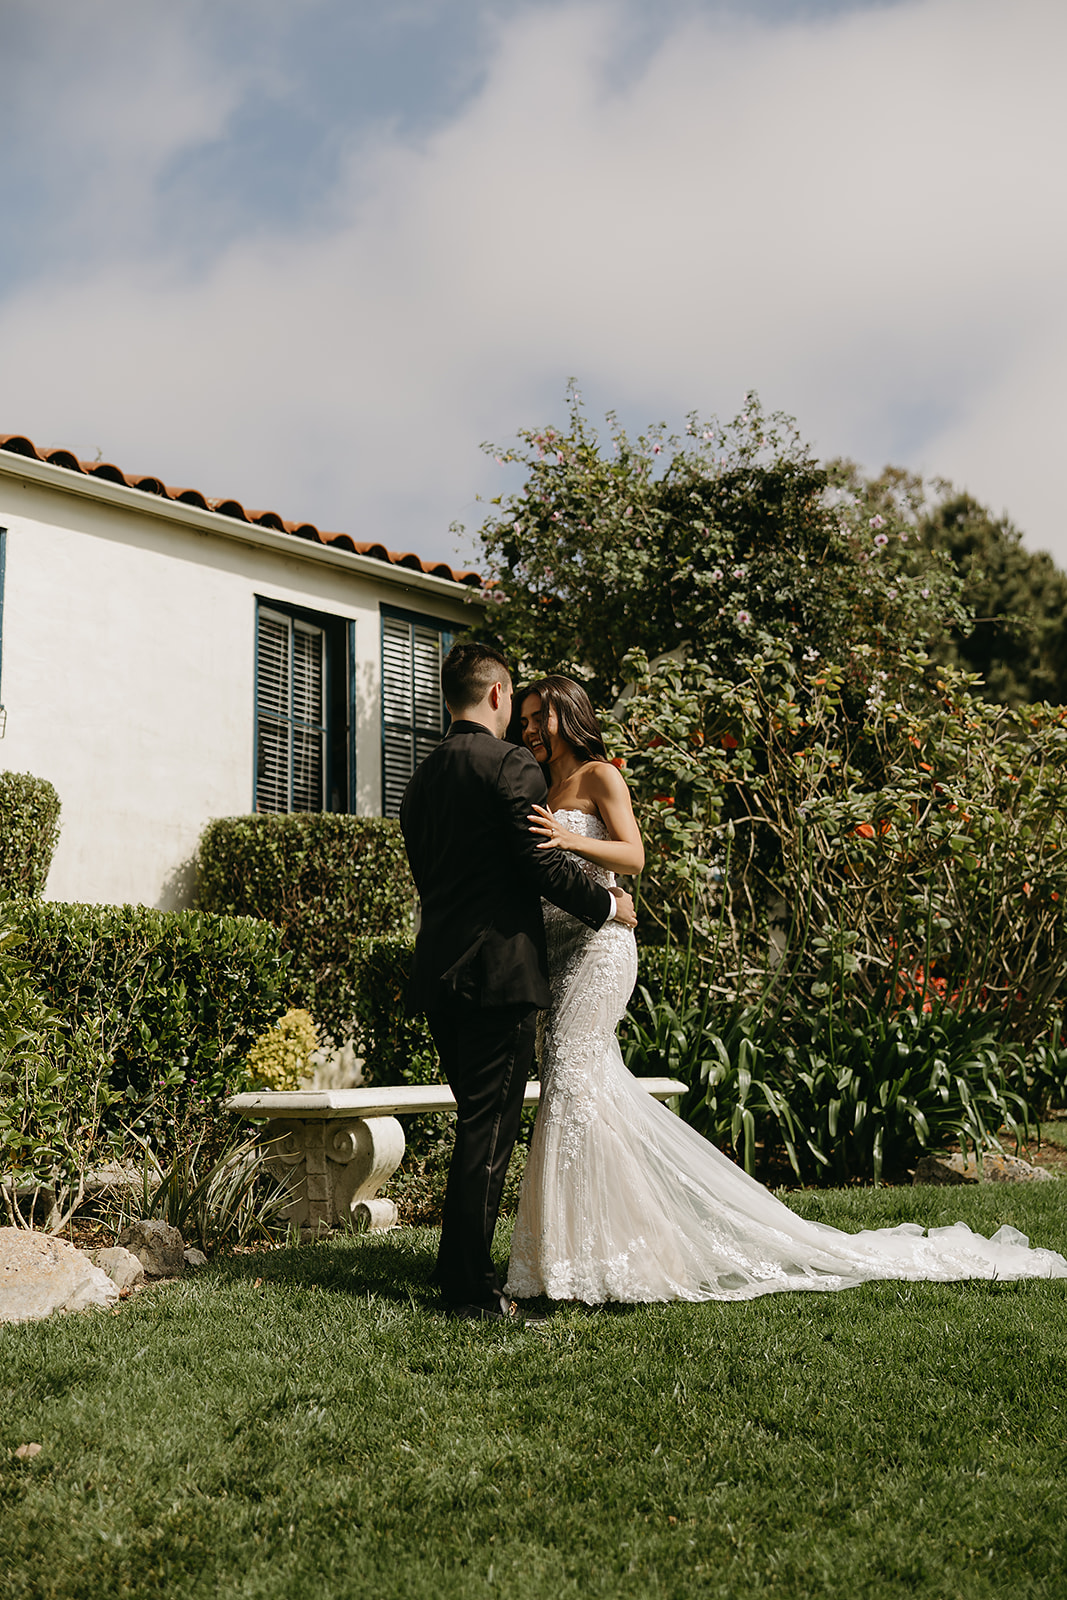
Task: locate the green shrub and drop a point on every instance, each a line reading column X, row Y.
column 850, row 831
column 395, row 1047
column 172, row 1001
column 280, row 1057
column 29, row 831
column 327, row 882
column 53, row 1095
column 859, row 1095
column 213, row 1191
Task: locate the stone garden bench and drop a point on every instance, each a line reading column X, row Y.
column 333, row 1149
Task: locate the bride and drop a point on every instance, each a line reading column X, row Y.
column 621, row 1199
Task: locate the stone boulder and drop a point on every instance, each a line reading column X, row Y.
column 996, row 1168
column 158, row 1247
column 113, row 1180
column 40, row 1274
column 121, row 1266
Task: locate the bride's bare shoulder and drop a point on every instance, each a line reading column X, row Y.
column 602, row 780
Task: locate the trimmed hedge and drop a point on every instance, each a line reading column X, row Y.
column 395, row 1047
column 29, row 832
column 173, row 999
column 328, row 883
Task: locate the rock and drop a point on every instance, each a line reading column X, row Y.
column 158, row 1247
column 122, row 1267
column 113, row 1178
column 39, row 1275
column 195, row 1258
column 996, row 1168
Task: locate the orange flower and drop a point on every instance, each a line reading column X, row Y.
column 864, row 830
column 728, row 741
column 618, row 761
column 663, row 799
column 924, row 766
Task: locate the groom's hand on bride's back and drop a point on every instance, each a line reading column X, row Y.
column 624, row 909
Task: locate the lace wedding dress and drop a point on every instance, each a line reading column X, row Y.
column 622, row 1200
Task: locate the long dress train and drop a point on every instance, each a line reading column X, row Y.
column 622, row 1200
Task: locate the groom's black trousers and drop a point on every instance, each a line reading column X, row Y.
column 486, row 1054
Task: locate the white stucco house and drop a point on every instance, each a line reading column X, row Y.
column 166, row 659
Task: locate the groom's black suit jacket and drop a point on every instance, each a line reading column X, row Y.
column 481, row 877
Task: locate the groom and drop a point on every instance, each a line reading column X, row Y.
column 481, row 970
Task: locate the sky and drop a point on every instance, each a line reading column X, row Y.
column 312, row 253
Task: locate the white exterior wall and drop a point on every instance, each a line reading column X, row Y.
column 128, row 667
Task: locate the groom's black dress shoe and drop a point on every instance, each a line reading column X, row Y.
column 499, row 1309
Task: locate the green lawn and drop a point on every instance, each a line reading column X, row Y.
column 323, row 1433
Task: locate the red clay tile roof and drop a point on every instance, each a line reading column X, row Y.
column 19, row 445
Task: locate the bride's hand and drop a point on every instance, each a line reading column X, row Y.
column 556, row 836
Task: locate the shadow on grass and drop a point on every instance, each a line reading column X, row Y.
column 392, row 1266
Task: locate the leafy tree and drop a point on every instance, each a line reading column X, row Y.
column 716, row 541
column 841, row 836
column 1015, row 599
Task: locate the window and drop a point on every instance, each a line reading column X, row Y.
column 413, row 710
column 303, row 710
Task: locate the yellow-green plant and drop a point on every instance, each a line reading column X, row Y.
column 279, row 1058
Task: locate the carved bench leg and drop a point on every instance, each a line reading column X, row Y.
column 333, row 1169
column 377, row 1149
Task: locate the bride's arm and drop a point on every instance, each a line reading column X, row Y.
column 606, row 787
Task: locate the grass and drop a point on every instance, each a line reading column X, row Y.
column 301, row 1423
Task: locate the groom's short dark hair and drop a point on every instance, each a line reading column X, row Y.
column 468, row 672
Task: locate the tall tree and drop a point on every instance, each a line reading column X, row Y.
column 1016, row 599
column 717, row 540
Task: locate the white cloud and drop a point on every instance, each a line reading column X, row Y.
column 858, row 216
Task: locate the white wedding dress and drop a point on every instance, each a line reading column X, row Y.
column 622, row 1200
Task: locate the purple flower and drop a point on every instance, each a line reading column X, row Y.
column 716, row 576
column 881, row 539
column 743, row 619
column 739, row 572
column 877, row 522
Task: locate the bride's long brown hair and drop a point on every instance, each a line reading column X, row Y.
column 574, row 714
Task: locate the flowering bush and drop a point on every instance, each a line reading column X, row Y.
column 841, row 832
column 839, row 828
column 280, row 1057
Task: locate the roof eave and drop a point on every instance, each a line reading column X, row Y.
column 66, row 481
